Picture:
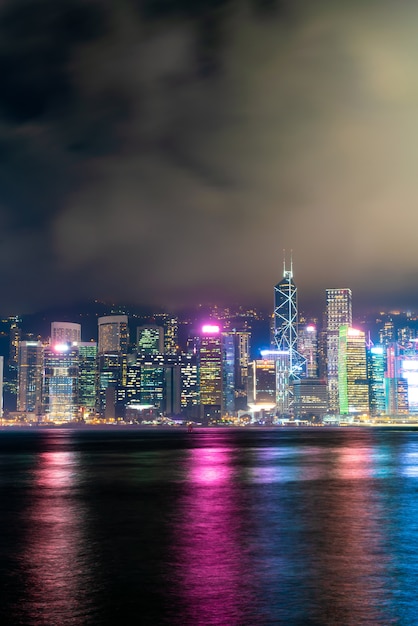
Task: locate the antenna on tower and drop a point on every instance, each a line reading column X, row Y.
column 284, row 262
column 291, row 263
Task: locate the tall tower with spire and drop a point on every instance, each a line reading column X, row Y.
column 289, row 362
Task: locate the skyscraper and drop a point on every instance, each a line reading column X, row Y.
column 352, row 371
column 262, row 386
column 60, row 384
column 308, row 348
column 30, row 370
column 150, row 339
column 338, row 313
column 228, row 373
column 113, row 334
column 210, row 371
column 87, row 371
column 112, row 362
column 376, row 366
column 286, row 335
column 311, row 397
column 65, row 332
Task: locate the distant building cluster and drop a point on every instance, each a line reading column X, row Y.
column 310, row 372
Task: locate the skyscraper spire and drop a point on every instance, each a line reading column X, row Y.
column 286, row 337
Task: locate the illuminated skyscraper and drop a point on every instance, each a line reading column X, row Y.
column 152, row 380
column 171, row 329
column 396, row 387
column 65, row 332
column 60, row 383
column 112, row 360
column 387, row 332
column 286, row 336
column 113, row 334
column 376, row 366
column 87, row 370
column 190, row 396
column 308, row 348
column 352, row 371
column 30, row 371
column 170, row 324
column 150, row 339
column 262, row 386
column 338, row 313
column 311, row 397
column 10, row 373
column 210, row 371
column 228, row 373
column 408, row 371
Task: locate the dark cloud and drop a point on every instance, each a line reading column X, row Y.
column 167, row 151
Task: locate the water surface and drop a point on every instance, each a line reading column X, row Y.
column 216, row 527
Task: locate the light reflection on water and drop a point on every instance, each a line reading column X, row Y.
column 210, row 557
column 220, row 527
column 56, row 560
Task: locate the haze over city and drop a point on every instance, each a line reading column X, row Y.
column 165, row 153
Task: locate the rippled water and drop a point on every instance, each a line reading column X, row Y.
column 217, row 527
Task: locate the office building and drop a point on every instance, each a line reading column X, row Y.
column 228, row 373
column 310, row 399
column 286, row 337
column 190, row 393
column 376, row 368
column 150, row 339
column 210, row 371
column 113, row 334
column 113, row 344
column 30, row 373
column 65, row 332
column 338, row 313
column 353, row 388
column 262, row 387
column 87, row 371
column 60, row 383
column 308, row 348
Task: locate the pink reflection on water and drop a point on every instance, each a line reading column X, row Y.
column 211, row 565
column 349, row 566
column 55, row 556
column 355, row 462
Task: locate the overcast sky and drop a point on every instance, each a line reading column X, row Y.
column 166, row 152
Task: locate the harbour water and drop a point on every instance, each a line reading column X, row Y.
column 230, row 527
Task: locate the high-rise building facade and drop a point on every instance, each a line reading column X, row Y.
column 87, row 371
column 228, row 373
column 113, row 334
column 286, row 336
column 60, row 383
column 353, row 387
column 113, row 344
column 210, row 371
column 308, row 348
column 310, row 395
column 30, row 372
column 150, row 339
column 262, row 387
column 338, row 313
column 65, row 332
column 376, row 368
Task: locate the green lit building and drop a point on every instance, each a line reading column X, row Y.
column 353, row 387
column 87, row 372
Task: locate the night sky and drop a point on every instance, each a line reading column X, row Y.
column 164, row 152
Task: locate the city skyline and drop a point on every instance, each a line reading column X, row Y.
column 167, row 153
